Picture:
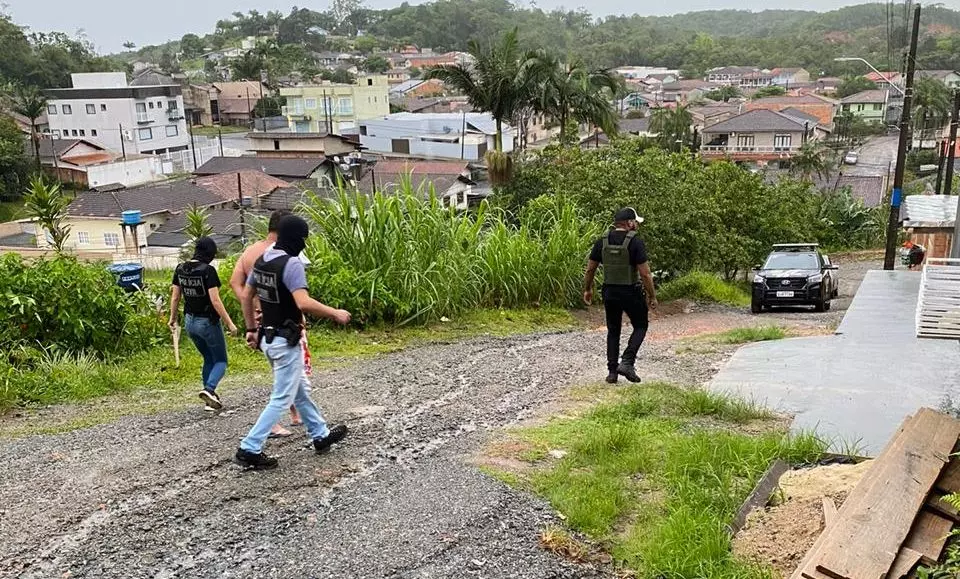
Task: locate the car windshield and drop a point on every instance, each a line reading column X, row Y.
column 792, row 261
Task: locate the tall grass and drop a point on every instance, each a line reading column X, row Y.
column 401, row 258
column 704, row 287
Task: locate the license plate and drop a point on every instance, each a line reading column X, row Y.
column 784, row 294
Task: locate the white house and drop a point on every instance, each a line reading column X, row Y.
column 139, row 117
column 465, row 136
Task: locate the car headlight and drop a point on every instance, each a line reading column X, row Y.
column 759, row 279
column 815, row 278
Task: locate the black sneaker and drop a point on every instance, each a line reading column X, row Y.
column 612, row 377
column 211, row 399
column 255, row 461
column 336, row 434
column 628, row 372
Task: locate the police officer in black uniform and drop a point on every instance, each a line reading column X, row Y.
column 624, row 259
column 279, row 281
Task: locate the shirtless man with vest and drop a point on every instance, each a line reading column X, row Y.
column 624, row 259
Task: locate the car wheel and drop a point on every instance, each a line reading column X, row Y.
column 822, row 304
column 756, row 306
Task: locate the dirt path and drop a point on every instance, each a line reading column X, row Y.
column 158, row 497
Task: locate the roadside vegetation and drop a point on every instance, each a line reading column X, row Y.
column 704, row 287
column 654, row 475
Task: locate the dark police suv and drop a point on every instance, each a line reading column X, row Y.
column 795, row 274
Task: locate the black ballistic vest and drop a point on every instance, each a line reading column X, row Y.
column 191, row 276
column 276, row 301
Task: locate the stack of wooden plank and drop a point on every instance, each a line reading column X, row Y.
column 894, row 520
column 938, row 303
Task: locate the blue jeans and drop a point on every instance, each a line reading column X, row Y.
column 290, row 387
column 207, row 336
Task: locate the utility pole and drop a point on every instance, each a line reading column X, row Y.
column 193, row 145
column 952, row 145
column 220, row 138
column 941, row 157
column 243, row 228
column 896, row 196
column 463, row 133
column 123, row 147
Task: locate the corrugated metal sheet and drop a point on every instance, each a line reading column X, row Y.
column 930, row 210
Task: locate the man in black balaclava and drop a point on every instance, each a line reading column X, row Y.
column 279, row 281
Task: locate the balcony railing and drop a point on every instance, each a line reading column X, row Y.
column 293, row 112
column 142, row 117
column 745, row 149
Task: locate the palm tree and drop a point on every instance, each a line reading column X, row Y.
column 30, row 102
column 570, row 90
column 47, row 204
column 931, row 104
column 492, row 83
column 672, row 127
column 809, row 161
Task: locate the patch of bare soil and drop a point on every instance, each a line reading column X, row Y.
column 781, row 534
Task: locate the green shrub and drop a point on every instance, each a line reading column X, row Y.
column 703, row 287
column 62, row 304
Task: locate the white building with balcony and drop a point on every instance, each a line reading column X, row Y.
column 137, row 117
column 465, row 136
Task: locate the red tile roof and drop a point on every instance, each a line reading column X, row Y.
column 252, row 184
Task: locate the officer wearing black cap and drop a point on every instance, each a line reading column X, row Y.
column 624, row 259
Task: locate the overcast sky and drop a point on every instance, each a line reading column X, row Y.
column 109, row 23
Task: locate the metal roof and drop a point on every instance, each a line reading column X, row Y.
column 757, row 120
column 930, row 210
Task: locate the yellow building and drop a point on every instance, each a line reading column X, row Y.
column 335, row 108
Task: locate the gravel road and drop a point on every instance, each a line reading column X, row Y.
column 158, row 496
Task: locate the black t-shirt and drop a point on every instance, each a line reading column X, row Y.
column 194, row 278
column 638, row 251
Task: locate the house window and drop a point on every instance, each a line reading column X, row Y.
column 877, row 107
column 276, row 145
column 83, row 133
column 172, row 131
column 83, row 238
column 111, row 239
column 845, row 108
column 141, row 108
column 91, row 109
column 51, row 109
column 172, row 105
column 159, row 105
column 151, row 104
column 103, row 108
column 311, row 103
column 56, row 133
column 73, row 132
column 346, row 106
column 782, row 142
column 93, row 132
column 145, row 134
column 369, row 82
column 67, row 109
column 859, row 108
column 745, row 142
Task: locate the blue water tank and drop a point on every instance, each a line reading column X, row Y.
column 129, row 275
column 131, row 217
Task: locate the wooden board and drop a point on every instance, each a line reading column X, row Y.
column 829, row 512
column 949, row 481
column 942, row 508
column 865, row 540
column 760, row 495
column 904, row 563
column 928, row 536
column 807, row 568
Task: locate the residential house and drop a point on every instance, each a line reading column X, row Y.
column 711, row 114
column 788, row 77
column 729, row 75
column 635, row 127
column 334, row 59
column 685, row 91
column 23, row 123
column 200, row 101
column 389, row 175
column 758, row 136
column 90, row 165
column 423, row 61
column 869, row 105
column 142, row 118
column 452, row 136
column 335, row 108
column 885, row 79
column 454, row 104
column 819, row 106
column 646, row 72
column 929, row 221
column 950, row 78
column 293, row 170
column 416, row 88
column 95, row 218
column 756, row 79
column 398, row 75
column 827, row 84
column 224, row 54
column 300, row 145
column 237, row 101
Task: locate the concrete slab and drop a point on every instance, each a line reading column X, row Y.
column 858, row 385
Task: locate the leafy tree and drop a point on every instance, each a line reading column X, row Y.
column 14, row 164
column 724, row 93
column 366, row 44
column 568, row 90
column 414, row 72
column 636, row 114
column 191, row 46
column 376, row 64
column 931, row 105
column 211, row 72
column 47, row 204
column 769, row 91
column 29, row 102
column 168, row 63
column 810, row 161
column 851, row 85
column 268, row 106
column 247, row 67
column 672, row 127
column 339, row 75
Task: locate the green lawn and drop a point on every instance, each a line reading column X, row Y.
column 655, row 474
column 214, row 131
